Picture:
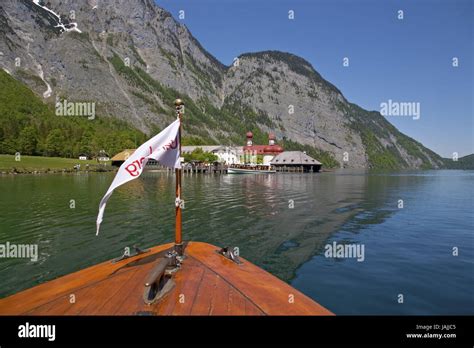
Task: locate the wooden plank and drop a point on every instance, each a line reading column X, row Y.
column 110, row 306
column 270, row 294
column 106, row 290
column 236, row 303
column 87, row 299
column 180, row 300
column 49, row 307
column 203, row 303
column 252, row 309
column 24, row 301
column 220, row 296
column 84, row 297
column 130, row 300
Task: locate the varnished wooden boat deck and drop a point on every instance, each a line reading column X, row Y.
column 206, row 284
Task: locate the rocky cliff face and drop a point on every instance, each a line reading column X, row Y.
column 132, row 59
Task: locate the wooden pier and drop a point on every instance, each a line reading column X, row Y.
column 222, row 169
column 205, row 169
column 295, row 169
column 196, row 169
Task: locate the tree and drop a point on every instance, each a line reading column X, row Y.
column 28, row 140
column 86, row 143
column 199, row 155
column 55, row 143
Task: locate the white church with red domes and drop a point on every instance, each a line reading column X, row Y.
column 252, row 152
column 271, row 155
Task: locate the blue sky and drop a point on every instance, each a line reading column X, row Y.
column 407, row 60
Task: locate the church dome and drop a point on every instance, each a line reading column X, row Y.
column 273, row 149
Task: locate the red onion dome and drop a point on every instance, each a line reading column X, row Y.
column 249, row 134
column 273, row 149
column 271, row 136
column 269, row 148
column 277, row 148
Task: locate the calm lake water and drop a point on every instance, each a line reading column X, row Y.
column 408, row 250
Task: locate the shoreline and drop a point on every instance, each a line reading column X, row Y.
column 39, row 165
column 27, row 171
column 24, row 164
column 22, row 171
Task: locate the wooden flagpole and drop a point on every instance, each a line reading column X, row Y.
column 178, row 243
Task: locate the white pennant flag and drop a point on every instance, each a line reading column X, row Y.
column 163, row 147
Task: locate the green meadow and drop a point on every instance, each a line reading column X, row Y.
column 39, row 163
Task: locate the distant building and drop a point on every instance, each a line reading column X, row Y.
column 228, row 154
column 251, row 151
column 291, row 159
column 84, row 157
column 121, row 157
column 103, row 156
column 225, row 154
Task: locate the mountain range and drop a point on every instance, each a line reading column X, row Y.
column 132, row 59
